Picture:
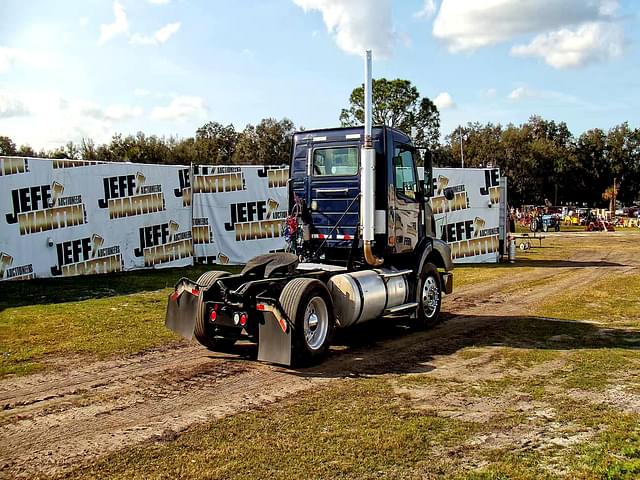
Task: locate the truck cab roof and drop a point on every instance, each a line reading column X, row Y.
column 347, row 133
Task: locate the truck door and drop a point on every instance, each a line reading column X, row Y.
column 405, row 206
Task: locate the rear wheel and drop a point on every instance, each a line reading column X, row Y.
column 204, row 331
column 429, row 296
column 307, row 303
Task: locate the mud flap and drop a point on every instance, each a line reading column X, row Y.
column 182, row 308
column 274, row 345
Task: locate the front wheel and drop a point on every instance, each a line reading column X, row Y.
column 308, row 305
column 429, row 296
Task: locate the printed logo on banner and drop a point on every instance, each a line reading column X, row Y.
column 184, row 191
column 127, row 196
column 491, row 186
column 469, row 238
column 440, row 204
column 163, row 243
column 86, row 256
column 22, row 272
column 67, row 163
column 42, row 207
column 13, row 165
column 255, row 220
column 201, row 232
column 218, row 179
column 277, row 176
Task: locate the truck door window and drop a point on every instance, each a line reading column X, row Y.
column 404, row 170
column 335, row 161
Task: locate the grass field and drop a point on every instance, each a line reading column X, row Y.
column 42, row 321
column 550, row 392
column 541, row 398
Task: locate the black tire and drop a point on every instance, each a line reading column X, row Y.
column 204, row 332
column 557, row 227
column 429, row 296
column 300, row 299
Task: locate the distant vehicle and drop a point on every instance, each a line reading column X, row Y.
column 546, row 222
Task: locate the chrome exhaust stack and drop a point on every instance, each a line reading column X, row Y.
column 368, row 172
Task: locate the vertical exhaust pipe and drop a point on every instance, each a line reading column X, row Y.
column 368, row 172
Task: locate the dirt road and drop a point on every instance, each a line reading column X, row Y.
column 52, row 422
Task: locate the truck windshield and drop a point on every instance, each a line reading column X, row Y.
column 335, row 161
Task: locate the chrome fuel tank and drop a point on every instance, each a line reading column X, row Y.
column 365, row 295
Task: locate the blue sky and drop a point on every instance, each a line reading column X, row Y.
column 72, row 69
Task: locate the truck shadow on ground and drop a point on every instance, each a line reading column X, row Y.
column 394, row 349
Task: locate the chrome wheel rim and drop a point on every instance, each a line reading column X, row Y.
column 316, row 323
column 430, row 297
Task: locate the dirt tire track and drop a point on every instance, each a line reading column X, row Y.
column 53, row 422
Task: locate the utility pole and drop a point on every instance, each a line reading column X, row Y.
column 461, row 150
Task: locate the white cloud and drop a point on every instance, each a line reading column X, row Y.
column 525, row 92
column 10, row 57
column 120, row 25
column 357, row 25
column 122, row 112
column 565, row 48
column 141, row 92
column 489, row 93
column 45, row 119
column 11, row 105
column 469, row 24
column 521, row 92
column 444, row 101
column 428, row 9
column 158, row 38
column 181, row 109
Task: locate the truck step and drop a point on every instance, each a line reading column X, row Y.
column 400, row 308
column 399, row 273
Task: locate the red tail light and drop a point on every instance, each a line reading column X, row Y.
column 260, row 306
column 214, row 315
column 243, row 319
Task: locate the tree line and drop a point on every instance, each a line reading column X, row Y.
column 267, row 143
column 543, row 161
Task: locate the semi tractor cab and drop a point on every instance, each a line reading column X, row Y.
column 359, row 246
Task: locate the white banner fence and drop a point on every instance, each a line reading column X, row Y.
column 70, row 217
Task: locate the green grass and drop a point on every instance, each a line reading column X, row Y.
column 366, row 429
column 340, row 432
column 465, row 275
column 99, row 316
column 614, row 299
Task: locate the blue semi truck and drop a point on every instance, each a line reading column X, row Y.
column 359, row 246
